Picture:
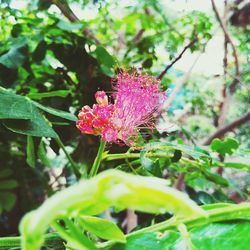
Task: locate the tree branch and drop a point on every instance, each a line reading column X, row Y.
column 69, row 14
column 222, row 131
column 179, row 85
column 160, row 76
column 232, row 87
column 224, row 105
column 139, row 34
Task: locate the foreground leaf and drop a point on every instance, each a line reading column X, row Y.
column 111, row 188
column 214, row 236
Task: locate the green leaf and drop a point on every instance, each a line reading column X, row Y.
column 30, row 121
column 56, row 112
column 224, row 147
column 8, row 184
column 111, row 188
column 214, row 236
column 15, row 57
column 67, row 26
column 214, row 177
column 152, row 166
column 217, row 236
column 42, row 154
column 204, row 198
column 149, row 241
column 105, row 60
column 102, row 228
column 147, row 163
column 14, row 106
column 7, row 201
column 238, row 165
column 38, row 96
column 38, row 126
column 194, row 152
column 5, row 173
column 30, row 150
column 215, row 205
column 40, row 51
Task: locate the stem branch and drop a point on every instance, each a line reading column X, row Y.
column 98, row 159
column 72, row 163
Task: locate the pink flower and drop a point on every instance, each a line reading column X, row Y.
column 137, row 101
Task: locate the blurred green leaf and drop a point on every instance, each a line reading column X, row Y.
column 30, row 150
column 106, row 61
column 15, row 57
column 224, row 147
column 42, row 154
column 8, row 184
column 7, row 201
column 102, row 228
column 67, row 26
column 110, row 188
column 40, row 51
column 215, row 236
column 237, row 165
column 59, row 93
column 149, row 241
column 5, row 173
column 215, row 177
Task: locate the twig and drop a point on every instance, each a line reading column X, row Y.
column 230, row 91
column 237, row 67
column 138, row 36
column 179, row 85
column 67, row 12
column 233, row 125
column 224, row 105
column 71, row 161
column 160, row 76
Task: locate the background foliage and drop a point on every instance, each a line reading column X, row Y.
column 52, row 63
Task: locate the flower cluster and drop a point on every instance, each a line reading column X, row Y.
column 137, row 101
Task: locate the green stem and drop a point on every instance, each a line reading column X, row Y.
column 52, row 240
column 221, row 214
column 98, row 159
column 226, row 213
column 72, row 163
column 231, row 212
column 112, row 157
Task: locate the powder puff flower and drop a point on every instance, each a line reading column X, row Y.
column 137, row 102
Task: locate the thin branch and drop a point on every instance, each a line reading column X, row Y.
column 138, row 36
column 224, row 105
column 233, row 125
column 179, row 85
column 232, row 87
column 69, row 14
column 160, row 76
